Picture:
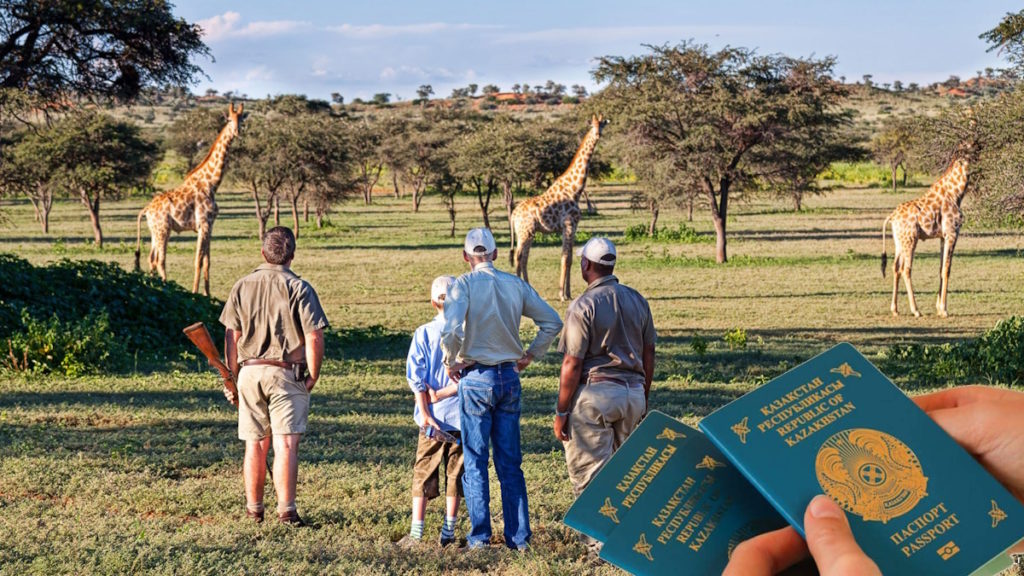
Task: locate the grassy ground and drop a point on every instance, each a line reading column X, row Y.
column 141, row 472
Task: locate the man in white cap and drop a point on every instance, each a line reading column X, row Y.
column 606, row 374
column 483, row 353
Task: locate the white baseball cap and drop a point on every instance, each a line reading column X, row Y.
column 598, row 251
column 440, row 287
column 479, row 242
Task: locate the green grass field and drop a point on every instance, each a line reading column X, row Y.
column 142, row 472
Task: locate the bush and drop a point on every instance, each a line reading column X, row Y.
column 71, row 348
column 144, row 314
column 681, row 235
column 736, row 339
column 996, row 357
column 552, row 239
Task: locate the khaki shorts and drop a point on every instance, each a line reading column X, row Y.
column 270, row 401
column 430, row 454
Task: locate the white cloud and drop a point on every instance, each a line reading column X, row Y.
column 226, row 25
column 259, row 74
column 388, row 31
column 641, row 33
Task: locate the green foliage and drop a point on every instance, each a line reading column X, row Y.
column 143, row 313
column 736, row 339
column 683, row 234
column 996, row 357
column 554, row 239
column 72, row 348
column 857, row 173
column 699, row 345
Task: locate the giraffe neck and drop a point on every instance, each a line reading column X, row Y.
column 953, row 184
column 570, row 184
column 207, row 175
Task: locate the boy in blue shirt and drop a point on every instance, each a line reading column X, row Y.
column 437, row 415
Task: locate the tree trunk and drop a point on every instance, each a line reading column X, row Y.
column 655, row 210
column 35, row 207
column 277, row 211
column 797, row 198
column 719, row 215
column 506, row 189
column 484, row 202
column 319, row 219
column 261, row 217
column 394, row 182
column 305, row 208
column 417, row 197
column 45, row 216
column 93, row 206
column 689, row 210
column 894, row 178
column 295, row 215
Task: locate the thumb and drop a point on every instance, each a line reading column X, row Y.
column 831, row 542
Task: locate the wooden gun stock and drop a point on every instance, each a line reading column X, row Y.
column 200, row 336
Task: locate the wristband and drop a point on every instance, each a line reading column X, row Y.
column 562, row 414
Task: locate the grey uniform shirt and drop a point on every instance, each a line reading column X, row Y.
column 272, row 309
column 482, row 312
column 608, row 327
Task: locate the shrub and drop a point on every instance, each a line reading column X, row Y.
column 552, row 239
column 699, row 345
column 995, row 357
column 72, row 348
column 736, row 339
column 681, row 235
column 144, row 314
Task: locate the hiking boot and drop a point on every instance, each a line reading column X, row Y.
column 291, row 518
column 254, row 516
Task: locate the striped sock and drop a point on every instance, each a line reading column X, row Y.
column 448, row 528
column 416, row 531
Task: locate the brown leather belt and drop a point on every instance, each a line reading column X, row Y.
column 278, row 363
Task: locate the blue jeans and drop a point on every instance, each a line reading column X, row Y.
column 489, row 405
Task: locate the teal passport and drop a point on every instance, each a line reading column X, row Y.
column 668, row 502
column 917, row 502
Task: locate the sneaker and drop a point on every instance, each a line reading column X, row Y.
column 291, row 518
column 445, row 541
column 255, row 516
column 409, row 543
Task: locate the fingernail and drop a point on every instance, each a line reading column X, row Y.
column 823, row 507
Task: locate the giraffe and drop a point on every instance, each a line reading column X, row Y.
column 556, row 210
column 937, row 214
column 190, row 206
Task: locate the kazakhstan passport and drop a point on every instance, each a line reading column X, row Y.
column 917, row 502
column 668, row 502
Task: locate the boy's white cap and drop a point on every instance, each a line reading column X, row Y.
column 598, row 251
column 440, row 287
column 479, row 242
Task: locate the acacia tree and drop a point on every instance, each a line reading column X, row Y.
column 107, row 48
column 192, row 134
column 91, row 157
column 260, row 161
column 1007, row 38
column 24, row 171
column 708, row 111
column 364, row 147
column 891, row 147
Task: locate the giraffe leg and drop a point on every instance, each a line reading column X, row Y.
column 198, row 260
column 161, row 258
column 947, row 263
column 894, row 307
column 568, row 236
column 524, row 259
column 206, row 267
column 906, row 267
column 942, row 266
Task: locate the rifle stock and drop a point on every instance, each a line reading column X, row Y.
column 200, row 336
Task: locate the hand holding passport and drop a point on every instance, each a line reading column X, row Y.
column 915, row 500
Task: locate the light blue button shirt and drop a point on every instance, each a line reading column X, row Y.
column 425, row 368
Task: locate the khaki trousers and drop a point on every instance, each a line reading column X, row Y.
column 603, row 415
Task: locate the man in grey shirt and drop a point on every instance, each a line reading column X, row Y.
column 480, row 342
column 606, row 374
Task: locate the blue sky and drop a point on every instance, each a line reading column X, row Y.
column 265, row 47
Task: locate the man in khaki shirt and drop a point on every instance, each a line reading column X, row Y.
column 608, row 342
column 275, row 333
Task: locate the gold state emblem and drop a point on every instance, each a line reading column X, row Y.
column 643, row 548
column 710, row 463
column 741, row 430
column 845, row 370
column 670, row 434
column 997, row 514
column 948, row 551
column 609, row 510
column 870, row 474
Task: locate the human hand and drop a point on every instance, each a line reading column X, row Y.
column 562, row 428
column 829, row 541
column 988, row 423
column 310, row 382
column 429, row 420
column 432, row 395
column 230, row 396
column 455, row 371
column 523, row 362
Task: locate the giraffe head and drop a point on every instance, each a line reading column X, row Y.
column 235, row 118
column 597, row 122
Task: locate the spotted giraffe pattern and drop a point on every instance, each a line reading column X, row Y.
column 937, row 214
column 190, row 206
column 555, row 211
